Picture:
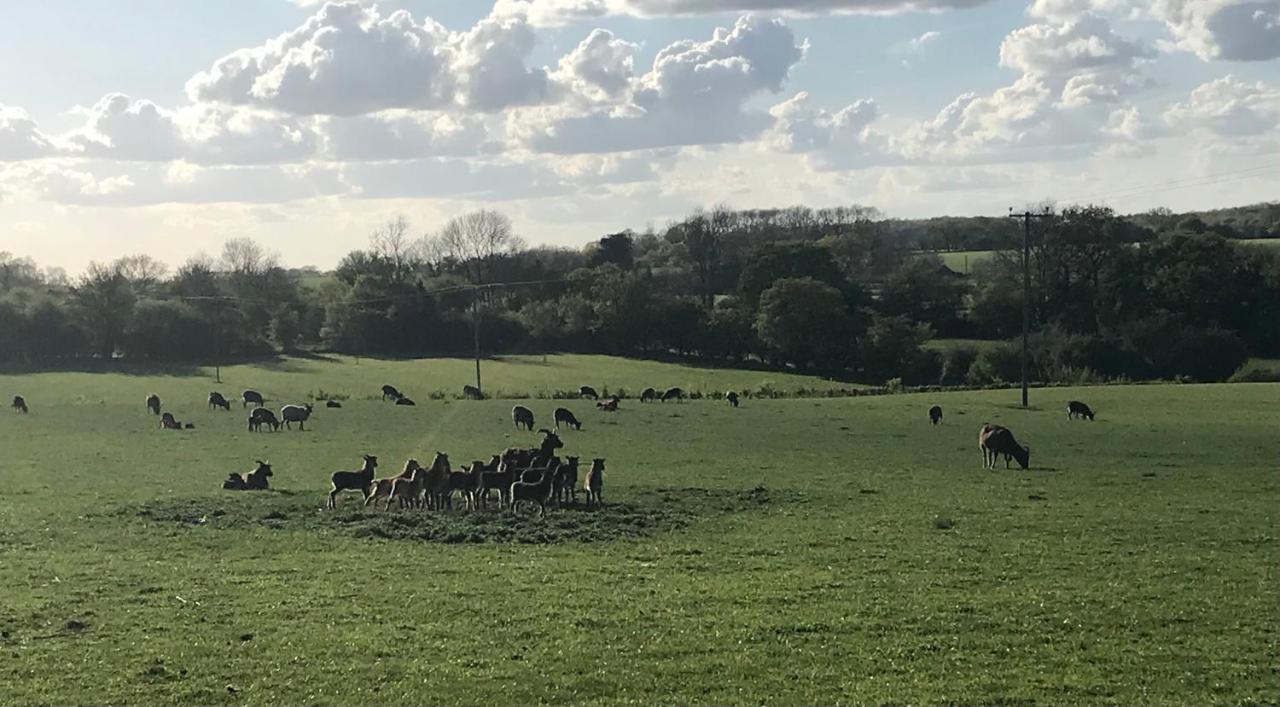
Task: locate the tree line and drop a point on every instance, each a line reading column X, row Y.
column 843, row 292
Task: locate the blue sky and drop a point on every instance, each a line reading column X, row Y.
column 166, row 126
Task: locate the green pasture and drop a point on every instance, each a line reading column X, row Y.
column 789, row 551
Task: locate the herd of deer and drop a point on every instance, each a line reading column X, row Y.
column 535, row 476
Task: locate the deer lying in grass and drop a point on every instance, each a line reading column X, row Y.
column 361, row 481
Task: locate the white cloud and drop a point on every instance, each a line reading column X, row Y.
column 918, row 44
column 1073, row 75
column 403, row 135
column 601, row 68
column 1231, row 30
column 121, row 128
column 1223, row 29
column 20, row 137
column 695, row 94
column 557, row 12
column 1228, row 108
column 843, row 140
column 349, row 59
column 103, row 183
column 344, row 60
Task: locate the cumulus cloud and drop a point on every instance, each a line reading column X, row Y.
column 349, row 59
column 119, row 127
column 1228, row 108
column 557, row 12
column 102, row 183
column 601, row 68
column 1231, row 30
column 695, row 93
column 345, row 60
column 1074, row 74
column 843, row 140
column 403, row 135
column 489, row 64
column 20, row 137
column 1223, row 29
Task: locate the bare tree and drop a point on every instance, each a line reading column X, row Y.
column 244, row 257
column 143, row 272
column 477, row 238
column 392, row 244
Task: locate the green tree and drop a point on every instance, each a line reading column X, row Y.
column 775, row 261
column 617, row 248
column 804, row 322
column 105, row 300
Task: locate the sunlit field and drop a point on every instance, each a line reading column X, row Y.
column 789, row 551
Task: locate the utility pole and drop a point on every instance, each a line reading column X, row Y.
column 1026, row 217
column 475, row 326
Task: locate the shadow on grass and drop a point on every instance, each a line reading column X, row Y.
column 136, row 368
column 640, row 514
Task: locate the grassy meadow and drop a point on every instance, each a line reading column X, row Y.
column 790, row 551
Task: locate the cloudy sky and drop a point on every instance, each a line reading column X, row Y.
column 168, row 126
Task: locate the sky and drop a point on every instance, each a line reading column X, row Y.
column 166, row 127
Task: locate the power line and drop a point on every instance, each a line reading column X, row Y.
column 1153, row 187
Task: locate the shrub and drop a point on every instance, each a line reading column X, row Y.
column 998, row 364
column 1207, row 356
column 955, row 364
column 1256, row 373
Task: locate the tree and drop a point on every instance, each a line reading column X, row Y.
column 286, row 328
column 616, row 248
column 143, row 272
column 243, row 257
column 701, row 236
column 775, row 261
column 167, row 331
column 924, row 290
column 17, row 272
column 105, row 300
column 392, row 245
column 730, row 333
column 891, row 348
column 804, row 322
column 476, row 239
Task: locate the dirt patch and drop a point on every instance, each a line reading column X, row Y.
column 639, row 514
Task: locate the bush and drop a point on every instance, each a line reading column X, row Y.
column 955, row 364
column 998, row 364
column 1255, row 372
column 1208, row 356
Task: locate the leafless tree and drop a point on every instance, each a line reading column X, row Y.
column 143, row 272
column 244, row 257
column 391, row 243
column 476, row 239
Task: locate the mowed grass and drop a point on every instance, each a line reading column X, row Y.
column 790, row 551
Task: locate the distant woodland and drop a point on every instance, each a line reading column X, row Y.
column 843, row 291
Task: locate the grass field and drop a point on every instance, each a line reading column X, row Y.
column 963, row 261
column 790, row 551
column 294, row 379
